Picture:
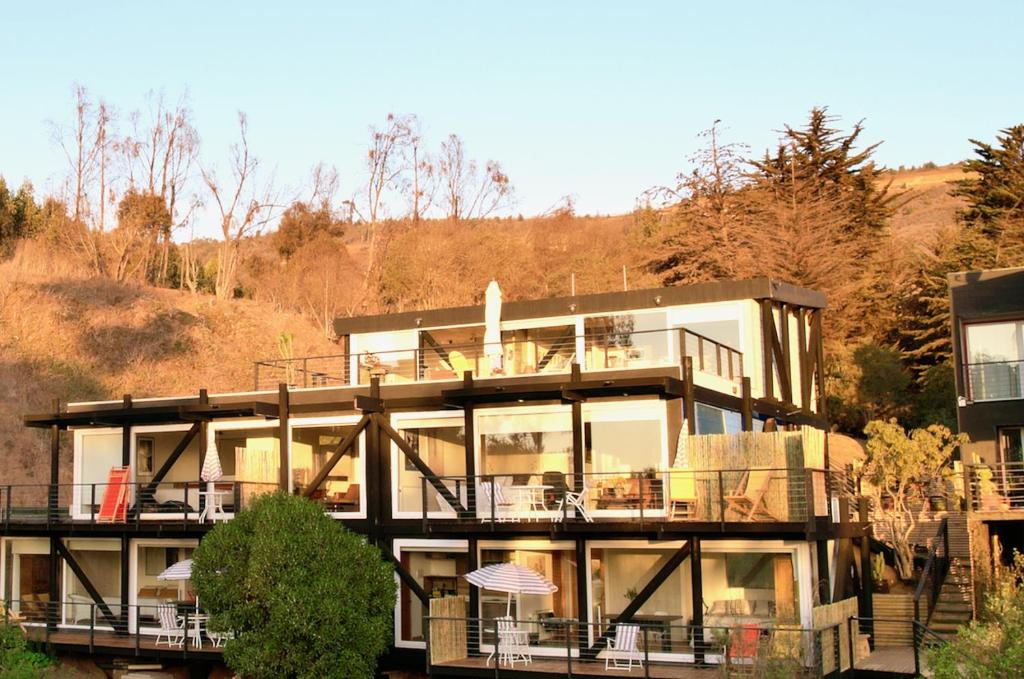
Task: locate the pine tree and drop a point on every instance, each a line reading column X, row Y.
column 994, row 189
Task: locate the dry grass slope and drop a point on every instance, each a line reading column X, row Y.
column 71, row 338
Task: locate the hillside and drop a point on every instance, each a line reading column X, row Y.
column 79, row 339
column 925, row 208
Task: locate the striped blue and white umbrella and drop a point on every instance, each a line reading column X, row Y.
column 511, row 578
column 211, row 470
column 181, row 570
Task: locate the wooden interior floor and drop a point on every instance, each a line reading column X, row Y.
column 558, row 666
column 894, row 659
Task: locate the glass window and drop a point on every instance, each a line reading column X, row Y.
column 441, row 444
column 712, row 420
column 528, row 351
column 524, row 444
column 97, row 455
column 618, row 575
column 627, row 341
column 101, row 562
column 995, row 358
column 152, row 561
column 388, row 355
column 447, row 353
column 312, row 446
column 749, row 587
column 537, row 613
column 439, row 573
column 180, row 486
column 27, row 577
column 251, row 458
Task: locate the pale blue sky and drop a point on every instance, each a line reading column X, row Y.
column 597, row 100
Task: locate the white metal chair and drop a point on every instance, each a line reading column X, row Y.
column 219, row 638
column 513, row 643
column 496, row 505
column 577, row 499
column 172, row 625
column 623, row 649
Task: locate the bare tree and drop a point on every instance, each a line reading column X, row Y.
column 422, row 185
column 86, row 146
column 245, row 204
column 467, row 192
column 159, row 156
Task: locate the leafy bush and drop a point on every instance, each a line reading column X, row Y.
column 992, row 646
column 303, row 596
column 17, row 661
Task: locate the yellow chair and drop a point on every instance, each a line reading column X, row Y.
column 682, row 492
column 459, row 363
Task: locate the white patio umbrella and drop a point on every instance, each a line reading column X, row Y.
column 492, row 323
column 211, row 471
column 179, row 572
column 511, row 578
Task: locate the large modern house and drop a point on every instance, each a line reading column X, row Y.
column 659, row 456
column 987, row 315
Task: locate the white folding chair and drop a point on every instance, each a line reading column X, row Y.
column 172, row 625
column 496, row 505
column 577, row 499
column 623, row 650
column 513, row 643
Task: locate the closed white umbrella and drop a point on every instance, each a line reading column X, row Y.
column 492, row 323
column 511, row 578
column 212, row 470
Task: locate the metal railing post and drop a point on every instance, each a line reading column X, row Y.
column 809, row 499
column 568, row 648
column 423, row 502
column 647, row 652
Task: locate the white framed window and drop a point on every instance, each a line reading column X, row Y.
column 97, row 451
column 439, row 439
column 438, row 567
column 994, row 360
column 312, row 442
column 147, row 558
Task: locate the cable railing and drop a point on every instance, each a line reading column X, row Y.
column 654, row 644
column 181, row 629
column 995, row 487
column 512, row 357
column 755, row 494
column 188, row 502
column 936, row 568
column 994, row 380
column 922, row 638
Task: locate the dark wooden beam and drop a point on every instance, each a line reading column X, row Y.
column 819, row 363
column 583, row 610
column 802, row 358
column 339, row 452
column 125, row 562
column 52, row 612
column 169, row 462
column 785, row 349
column 428, row 339
column 368, row 404
column 469, row 429
column 824, row 592
column 53, row 499
column 556, row 348
column 659, row 578
column 697, row 597
column 407, row 579
column 420, row 465
column 283, row 437
column 578, row 452
column 767, row 355
column 473, row 612
column 94, row 593
column 689, row 397
column 865, row 603
column 747, row 407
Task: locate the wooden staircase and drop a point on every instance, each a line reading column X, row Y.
column 955, row 605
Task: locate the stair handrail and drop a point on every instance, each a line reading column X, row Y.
column 936, row 568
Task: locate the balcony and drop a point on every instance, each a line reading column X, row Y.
column 180, row 502
column 655, row 646
column 720, row 496
column 515, row 356
column 994, row 380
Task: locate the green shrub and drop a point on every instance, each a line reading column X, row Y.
column 303, row 596
column 992, row 646
column 17, row 660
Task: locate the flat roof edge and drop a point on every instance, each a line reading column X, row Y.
column 650, row 298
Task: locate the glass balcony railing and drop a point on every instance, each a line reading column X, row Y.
column 512, row 357
column 994, row 381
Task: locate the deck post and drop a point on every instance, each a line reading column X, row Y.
column 578, row 454
column 689, row 400
column 582, row 610
column 865, row 605
column 747, row 405
column 284, row 440
column 51, row 613
column 473, row 635
column 824, row 592
column 697, row 596
column 125, row 545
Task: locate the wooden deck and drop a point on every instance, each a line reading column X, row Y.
column 896, row 660
column 142, row 645
column 476, row 667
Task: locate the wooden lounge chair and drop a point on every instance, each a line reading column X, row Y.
column 623, row 649
column 114, row 505
column 682, row 493
column 749, row 498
